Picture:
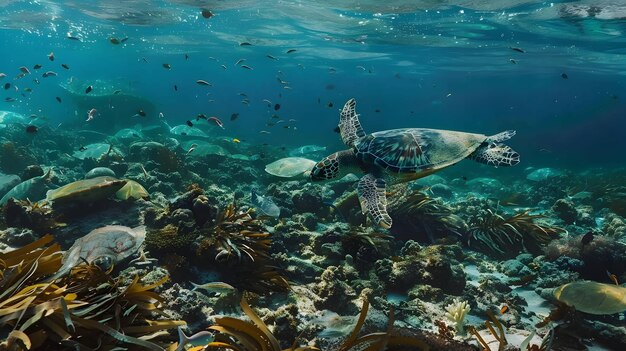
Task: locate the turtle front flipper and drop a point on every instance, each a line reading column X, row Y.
column 497, row 155
column 373, row 200
column 349, row 125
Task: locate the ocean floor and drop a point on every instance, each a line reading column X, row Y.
column 464, row 248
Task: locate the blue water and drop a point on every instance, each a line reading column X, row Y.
column 440, row 66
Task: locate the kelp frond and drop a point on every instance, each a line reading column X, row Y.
column 379, row 341
column 504, row 236
column 88, row 309
column 239, row 335
column 237, row 239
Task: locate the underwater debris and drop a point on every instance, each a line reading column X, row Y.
column 506, row 237
column 420, row 217
column 87, row 309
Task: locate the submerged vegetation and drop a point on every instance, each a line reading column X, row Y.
column 86, row 310
column 507, row 236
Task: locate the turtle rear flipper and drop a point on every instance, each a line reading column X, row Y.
column 373, row 200
column 497, row 155
column 349, row 125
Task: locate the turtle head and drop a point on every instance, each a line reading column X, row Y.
column 327, row 168
column 333, row 166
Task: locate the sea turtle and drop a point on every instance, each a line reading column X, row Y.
column 402, row 155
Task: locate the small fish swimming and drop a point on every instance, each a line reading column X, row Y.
column 215, row 287
column 24, row 70
column 290, row 51
column 200, row 338
column 204, row 82
column 265, row 205
column 49, row 74
column 564, row 76
column 65, row 66
column 234, row 116
column 88, row 89
column 587, row 238
column 51, row 56
column 517, row 49
column 91, row 114
column 217, row 121
column 167, row 66
column 246, row 67
column 276, row 107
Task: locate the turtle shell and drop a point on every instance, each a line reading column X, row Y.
column 416, row 150
column 86, row 190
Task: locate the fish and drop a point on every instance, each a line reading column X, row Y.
column 237, row 141
column 2, row 75
column 114, row 41
column 247, row 67
column 189, row 123
column 7, row 86
column 201, row 116
column 564, row 76
column 276, row 107
column 103, row 246
column 513, row 61
column 65, row 66
column 516, row 49
column 24, row 70
column 49, row 74
column 58, row 99
column 223, row 66
column 51, row 56
column 239, row 61
column 175, row 87
column 290, row 51
column 71, row 37
column 9, row 99
column 88, row 89
column 245, row 43
column 186, row 57
column 141, row 113
column 91, row 114
column 217, row 121
column 200, row 338
column 587, row 238
column 234, row 116
column 206, row 13
column 271, row 57
column 336, row 326
column 203, row 82
column 167, row 66
column 191, row 148
column 33, row 189
column 264, row 204
column 37, row 66
column 330, row 104
column 264, row 132
column 215, row 287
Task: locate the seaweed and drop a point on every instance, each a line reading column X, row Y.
column 239, row 335
column 381, row 340
column 423, row 218
column 86, row 310
column 237, row 241
column 507, row 236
